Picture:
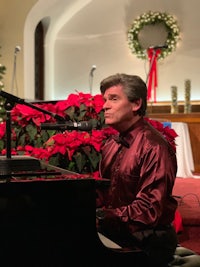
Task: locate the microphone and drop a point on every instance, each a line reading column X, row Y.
column 70, row 125
column 17, row 49
column 91, row 77
column 159, row 47
column 93, row 69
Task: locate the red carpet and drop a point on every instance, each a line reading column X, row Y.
column 187, row 191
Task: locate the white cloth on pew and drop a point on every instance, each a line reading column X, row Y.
column 184, row 151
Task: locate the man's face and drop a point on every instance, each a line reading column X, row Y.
column 118, row 111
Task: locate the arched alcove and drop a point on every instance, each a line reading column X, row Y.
column 52, row 16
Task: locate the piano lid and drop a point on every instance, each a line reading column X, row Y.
column 28, row 168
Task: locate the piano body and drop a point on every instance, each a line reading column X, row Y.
column 49, row 220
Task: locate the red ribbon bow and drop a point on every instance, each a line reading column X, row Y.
column 152, row 77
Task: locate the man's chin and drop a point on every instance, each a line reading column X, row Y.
column 109, row 122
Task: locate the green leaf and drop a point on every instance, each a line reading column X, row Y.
column 70, row 112
column 46, row 134
column 32, row 131
column 21, row 140
column 71, row 166
column 54, row 160
column 82, row 113
column 18, row 130
column 93, row 156
column 38, row 142
column 80, row 160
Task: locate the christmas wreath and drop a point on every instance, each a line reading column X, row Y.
column 152, row 18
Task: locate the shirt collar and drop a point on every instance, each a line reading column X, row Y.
column 126, row 138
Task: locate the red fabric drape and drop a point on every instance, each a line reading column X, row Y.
column 152, row 76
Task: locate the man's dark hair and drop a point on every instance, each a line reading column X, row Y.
column 134, row 87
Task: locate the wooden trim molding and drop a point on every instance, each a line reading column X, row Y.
column 193, row 117
column 165, row 107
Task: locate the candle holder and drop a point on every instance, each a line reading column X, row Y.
column 174, row 103
column 187, row 105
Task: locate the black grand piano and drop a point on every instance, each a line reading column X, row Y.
column 48, row 219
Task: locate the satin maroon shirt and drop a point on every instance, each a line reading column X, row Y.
column 142, row 172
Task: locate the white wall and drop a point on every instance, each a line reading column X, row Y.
column 82, row 33
column 98, row 36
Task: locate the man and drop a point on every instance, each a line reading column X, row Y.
column 138, row 209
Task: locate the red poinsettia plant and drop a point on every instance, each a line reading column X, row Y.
column 73, row 150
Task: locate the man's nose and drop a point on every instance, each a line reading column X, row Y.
column 105, row 105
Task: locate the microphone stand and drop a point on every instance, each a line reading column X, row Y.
column 14, row 72
column 91, row 76
column 17, row 49
column 11, row 164
column 8, row 107
column 14, row 99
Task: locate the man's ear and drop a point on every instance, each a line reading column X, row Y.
column 137, row 104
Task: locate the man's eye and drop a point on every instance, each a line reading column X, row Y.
column 114, row 98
